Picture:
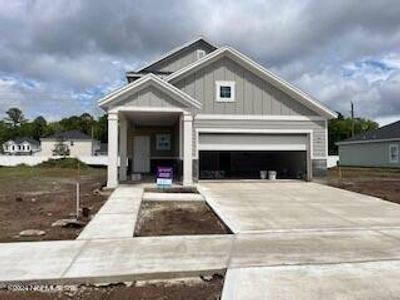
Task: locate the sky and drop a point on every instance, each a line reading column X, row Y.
column 59, row 57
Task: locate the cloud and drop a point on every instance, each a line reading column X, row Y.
column 75, row 51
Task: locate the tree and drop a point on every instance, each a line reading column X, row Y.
column 61, row 148
column 39, row 127
column 341, row 128
column 15, row 117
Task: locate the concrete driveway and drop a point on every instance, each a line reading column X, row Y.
column 248, row 207
column 297, row 240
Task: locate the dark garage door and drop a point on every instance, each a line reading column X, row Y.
column 248, row 164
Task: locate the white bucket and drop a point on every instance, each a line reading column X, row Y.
column 263, row 174
column 272, row 175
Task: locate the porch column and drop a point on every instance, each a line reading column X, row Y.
column 187, row 149
column 123, row 131
column 112, row 168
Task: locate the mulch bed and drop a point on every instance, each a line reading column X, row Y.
column 178, row 218
column 177, row 290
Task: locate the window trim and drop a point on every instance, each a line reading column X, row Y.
column 200, row 53
column 218, row 85
column 393, row 146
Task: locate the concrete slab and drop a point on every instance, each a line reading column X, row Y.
column 117, row 217
column 109, row 226
column 312, row 247
column 172, row 197
column 372, row 280
column 148, row 257
column 258, row 206
column 33, row 260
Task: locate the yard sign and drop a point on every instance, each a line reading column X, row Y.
column 164, row 176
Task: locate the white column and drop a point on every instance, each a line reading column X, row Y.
column 112, row 168
column 123, row 131
column 187, row 149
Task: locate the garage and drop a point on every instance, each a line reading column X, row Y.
column 244, row 155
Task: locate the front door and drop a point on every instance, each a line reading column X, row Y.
column 141, row 154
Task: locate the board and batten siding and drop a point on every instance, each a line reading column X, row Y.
column 253, row 95
column 181, row 60
column 317, row 127
column 367, row 155
column 149, row 97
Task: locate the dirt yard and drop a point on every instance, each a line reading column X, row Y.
column 382, row 183
column 177, row 218
column 34, row 198
column 195, row 289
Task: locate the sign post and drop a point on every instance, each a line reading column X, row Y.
column 164, row 176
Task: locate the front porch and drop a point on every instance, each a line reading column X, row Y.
column 142, row 139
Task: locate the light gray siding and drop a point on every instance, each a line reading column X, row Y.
column 318, row 128
column 150, row 97
column 181, row 60
column 254, row 95
column 367, row 155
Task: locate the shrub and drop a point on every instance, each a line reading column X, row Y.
column 67, row 163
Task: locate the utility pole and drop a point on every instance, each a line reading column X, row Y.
column 352, row 119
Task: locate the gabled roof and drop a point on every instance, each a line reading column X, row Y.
column 257, row 69
column 21, row 140
column 388, row 132
column 147, row 80
column 174, row 52
column 70, row 135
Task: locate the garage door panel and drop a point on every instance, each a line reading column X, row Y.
column 252, row 142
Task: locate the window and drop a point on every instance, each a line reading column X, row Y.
column 225, row 91
column 163, row 142
column 394, row 153
column 200, row 53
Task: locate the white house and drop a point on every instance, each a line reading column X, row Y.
column 212, row 111
column 78, row 143
column 21, row 146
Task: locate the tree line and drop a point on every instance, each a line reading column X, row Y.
column 16, row 125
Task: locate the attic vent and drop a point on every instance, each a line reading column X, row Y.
column 200, row 53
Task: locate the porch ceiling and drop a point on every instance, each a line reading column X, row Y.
column 152, row 118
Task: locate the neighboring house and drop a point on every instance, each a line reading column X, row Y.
column 213, row 113
column 376, row 148
column 78, row 143
column 21, row 146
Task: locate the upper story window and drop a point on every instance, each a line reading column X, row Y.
column 225, row 91
column 200, row 53
column 394, row 153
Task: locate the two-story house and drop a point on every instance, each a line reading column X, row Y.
column 212, row 112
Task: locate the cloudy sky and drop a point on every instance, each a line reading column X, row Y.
column 59, row 57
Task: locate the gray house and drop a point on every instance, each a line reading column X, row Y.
column 376, row 148
column 212, row 112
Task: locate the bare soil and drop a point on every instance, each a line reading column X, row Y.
column 177, row 218
column 34, row 198
column 176, row 290
column 381, row 183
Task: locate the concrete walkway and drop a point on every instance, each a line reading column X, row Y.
column 117, row 217
column 307, row 240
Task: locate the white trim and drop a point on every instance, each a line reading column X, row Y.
column 171, row 52
column 260, row 71
column 275, row 147
column 153, row 80
column 146, row 109
column 368, row 141
column 221, row 83
column 326, row 139
column 396, row 160
column 308, row 132
column 258, row 117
